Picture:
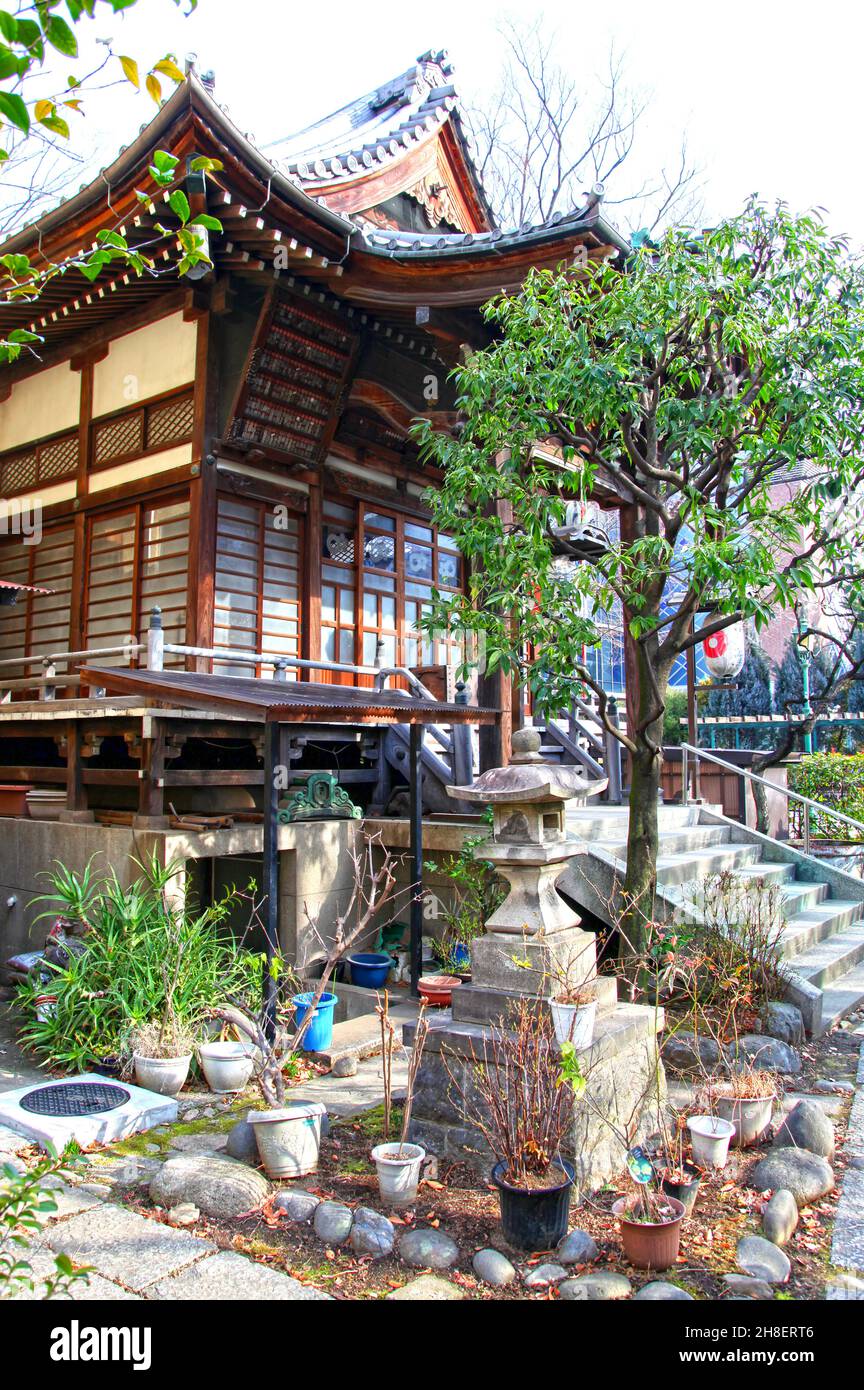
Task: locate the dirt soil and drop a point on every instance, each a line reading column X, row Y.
column 467, row 1209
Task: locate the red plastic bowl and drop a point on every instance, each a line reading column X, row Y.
column 438, row 989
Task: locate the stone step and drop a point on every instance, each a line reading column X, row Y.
column 820, row 923
column 696, row 865
column 689, row 837
column 361, row 1036
column 831, row 957
column 842, row 996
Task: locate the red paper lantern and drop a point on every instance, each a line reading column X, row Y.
column 724, row 652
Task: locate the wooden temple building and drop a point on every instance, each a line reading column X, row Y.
column 232, row 448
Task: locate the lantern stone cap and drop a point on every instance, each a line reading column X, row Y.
column 528, row 778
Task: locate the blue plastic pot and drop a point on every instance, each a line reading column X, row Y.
column 319, row 1034
column 460, row 956
column 370, row 969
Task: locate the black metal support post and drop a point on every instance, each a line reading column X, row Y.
column 270, row 873
column 415, row 780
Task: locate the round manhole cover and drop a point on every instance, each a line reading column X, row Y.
column 68, row 1099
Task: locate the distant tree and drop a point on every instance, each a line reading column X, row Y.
column 547, row 135
column 789, row 680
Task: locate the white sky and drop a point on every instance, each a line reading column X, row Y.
column 768, row 93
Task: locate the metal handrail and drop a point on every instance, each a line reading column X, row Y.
column 687, row 749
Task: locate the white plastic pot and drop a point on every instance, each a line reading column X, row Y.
column 750, row 1116
column 574, row 1022
column 710, row 1136
column 163, row 1074
column 289, row 1140
column 399, row 1168
column 226, row 1065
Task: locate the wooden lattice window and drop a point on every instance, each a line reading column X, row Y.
column 155, row 425
column 45, row 461
column 259, row 559
column 137, row 559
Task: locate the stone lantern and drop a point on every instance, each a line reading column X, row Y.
column 533, row 939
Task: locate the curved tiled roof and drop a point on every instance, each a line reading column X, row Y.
column 376, row 129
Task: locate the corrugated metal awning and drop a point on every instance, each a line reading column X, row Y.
column 284, row 702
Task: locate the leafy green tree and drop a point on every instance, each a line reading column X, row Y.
column 687, row 386
column 38, row 31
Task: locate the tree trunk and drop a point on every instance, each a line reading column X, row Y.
column 640, row 879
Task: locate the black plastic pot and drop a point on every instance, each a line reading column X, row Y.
column 685, row 1192
column 534, row 1218
column 109, row 1066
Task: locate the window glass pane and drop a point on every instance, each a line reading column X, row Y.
column 388, row 650
column 346, row 647
column 379, row 552
column 380, row 581
column 381, row 523
column 339, row 545
column 419, row 533
column 418, row 561
column 328, row 603
column 417, row 590
column 447, row 540
column 388, row 612
column 336, row 576
column 370, row 610
column 370, row 643
column 448, row 569
column 328, row 644
column 333, row 509
column 411, row 651
column 346, row 606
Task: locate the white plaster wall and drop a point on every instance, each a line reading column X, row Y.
column 141, row 468
column 46, row 403
column 145, row 363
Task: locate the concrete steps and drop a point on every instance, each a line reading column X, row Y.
column 360, row 1037
column 822, row 939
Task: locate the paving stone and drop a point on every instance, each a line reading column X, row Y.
column 232, row 1276
column 542, row 1276
column 847, row 1244
column 296, row 1204
column 827, row 1087
column 430, row 1249
column 94, row 1289
column 69, row 1201
column 332, row 1222
column 577, row 1248
column 847, row 1287
column 807, row 1127
column 428, row 1288
column 203, row 1143
column 762, row 1259
column 124, row 1247
column 659, row 1291
column 219, row 1187
column 371, row 1233
column 241, row 1143
column 492, row 1267
column 780, row 1217
column 745, row 1286
column 807, row 1176
column 599, row 1285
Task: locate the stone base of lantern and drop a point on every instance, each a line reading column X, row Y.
column 623, row 1073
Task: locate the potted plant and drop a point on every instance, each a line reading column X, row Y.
column 746, row 1099
column 477, row 891
column 677, row 1177
column 650, row 1226
column 520, row 1097
column 399, row 1165
column 710, row 1136
column 162, row 1053
column 574, row 1009
column 227, row 1066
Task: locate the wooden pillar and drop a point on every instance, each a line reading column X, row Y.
column 270, row 873
column 415, row 788
column 310, row 640
column 200, row 592
column 76, row 797
column 151, row 791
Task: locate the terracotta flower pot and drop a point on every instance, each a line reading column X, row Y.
column 650, row 1244
column 438, row 989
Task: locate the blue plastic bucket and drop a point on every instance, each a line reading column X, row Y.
column 370, row 969
column 319, row 1034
